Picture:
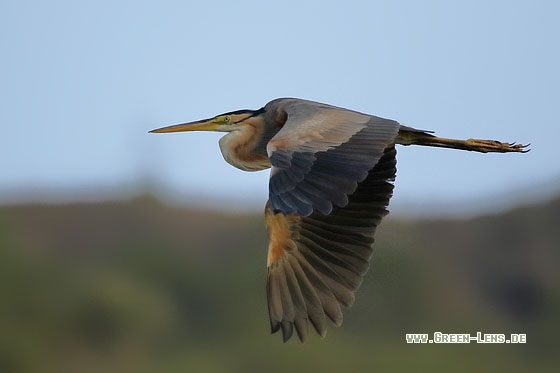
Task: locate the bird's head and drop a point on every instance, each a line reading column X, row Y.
column 226, row 122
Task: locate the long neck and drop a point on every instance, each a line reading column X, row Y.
column 245, row 148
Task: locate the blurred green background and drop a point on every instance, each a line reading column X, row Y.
column 138, row 286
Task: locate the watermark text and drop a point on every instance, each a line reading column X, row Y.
column 439, row 337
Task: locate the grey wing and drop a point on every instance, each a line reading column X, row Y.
column 316, row 263
column 321, row 154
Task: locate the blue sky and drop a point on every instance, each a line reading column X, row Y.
column 83, row 82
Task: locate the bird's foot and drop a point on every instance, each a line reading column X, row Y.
column 487, row 146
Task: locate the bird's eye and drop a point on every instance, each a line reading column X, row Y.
column 222, row 119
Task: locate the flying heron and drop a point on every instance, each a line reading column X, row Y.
column 330, row 183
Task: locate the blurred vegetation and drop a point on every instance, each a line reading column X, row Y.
column 138, row 286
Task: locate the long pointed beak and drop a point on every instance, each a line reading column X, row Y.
column 200, row 125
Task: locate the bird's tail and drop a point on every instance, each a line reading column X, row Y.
column 406, row 137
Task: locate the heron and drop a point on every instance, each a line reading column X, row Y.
column 331, row 178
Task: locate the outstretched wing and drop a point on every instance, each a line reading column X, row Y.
column 321, row 154
column 316, row 262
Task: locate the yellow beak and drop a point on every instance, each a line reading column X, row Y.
column 200, row 125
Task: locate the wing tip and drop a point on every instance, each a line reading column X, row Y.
column 287, row 330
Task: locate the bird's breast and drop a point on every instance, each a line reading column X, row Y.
column 239, row 150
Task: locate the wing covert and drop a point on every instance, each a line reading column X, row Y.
column 321, row 154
